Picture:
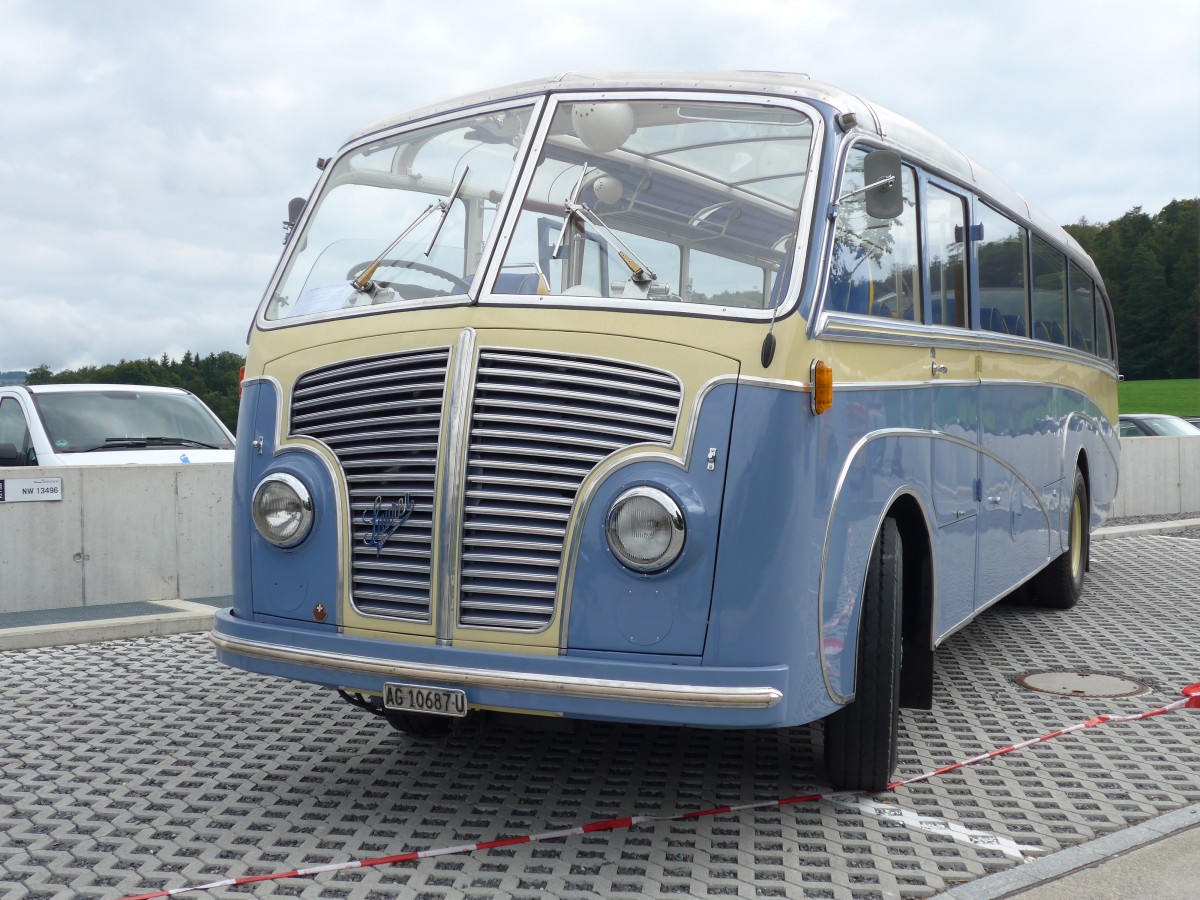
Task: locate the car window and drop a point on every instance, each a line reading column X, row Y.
column 15, row 430
column 1129, row 429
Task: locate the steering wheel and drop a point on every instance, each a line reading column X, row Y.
column 413, row 264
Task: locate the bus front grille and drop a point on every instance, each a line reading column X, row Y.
column 540, row 422
column 381, row 417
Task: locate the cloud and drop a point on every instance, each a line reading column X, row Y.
column 151, row 148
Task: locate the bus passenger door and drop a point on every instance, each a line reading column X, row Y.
column 955, row 465
column 955, row 386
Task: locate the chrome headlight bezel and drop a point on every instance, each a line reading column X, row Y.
column 278, row 486
column 673, row 523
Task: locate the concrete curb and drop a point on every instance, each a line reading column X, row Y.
column 1101, row 534
column 177, row 617
column 1063, row 864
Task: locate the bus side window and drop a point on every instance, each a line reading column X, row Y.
column 1081, row 309
column 874, row 266
column 1103, row 329
column 1049, row 293
column 1003, row 266
column 946, row 229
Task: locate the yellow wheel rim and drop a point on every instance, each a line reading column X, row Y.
column 1076, row 536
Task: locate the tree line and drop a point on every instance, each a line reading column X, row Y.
column 215, row 378
column 1150, row 265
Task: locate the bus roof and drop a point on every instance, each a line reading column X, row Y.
column 872, row 119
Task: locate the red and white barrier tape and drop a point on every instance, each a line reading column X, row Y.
column 1191, row 700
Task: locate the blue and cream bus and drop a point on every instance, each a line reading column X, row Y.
column 709, row 399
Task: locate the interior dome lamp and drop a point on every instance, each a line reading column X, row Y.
column 603, row 126
column 607, row 188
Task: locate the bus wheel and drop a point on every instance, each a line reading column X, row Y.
column 860, row 738
column 419, row 726
column 1059, row 585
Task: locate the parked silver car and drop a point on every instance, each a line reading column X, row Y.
column 1155, row 425
column 108, row 424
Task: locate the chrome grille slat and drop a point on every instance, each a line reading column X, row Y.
column 342, row 388
column 428, row 433
column 387, row 448
column 547, row 546
column 516, row 528
column 591, row 365
column 570, row 399
column 544, row 426
column 520, row 498
column 357, row 410
column 601, row 447
column 540, row 424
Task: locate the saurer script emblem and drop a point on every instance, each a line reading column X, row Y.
column 384, row 519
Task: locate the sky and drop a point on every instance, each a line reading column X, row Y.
column 148, row 149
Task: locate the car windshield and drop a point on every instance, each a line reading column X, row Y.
column 663, row 200
column 1169, row 426
column 87, row 421
column 389, row 217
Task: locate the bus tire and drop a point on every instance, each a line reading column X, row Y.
column 861, row 737
column 419, row 726
column 1059, row 585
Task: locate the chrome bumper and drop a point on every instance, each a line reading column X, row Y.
column 694, row 695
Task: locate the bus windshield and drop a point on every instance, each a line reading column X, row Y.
column 651, row 200
column 403, row 187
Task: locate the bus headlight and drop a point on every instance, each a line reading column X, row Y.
column 645, row 529
column 282, row 510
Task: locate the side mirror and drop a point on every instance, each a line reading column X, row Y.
column 881, row 174
column 9, row 455
column 295, row 210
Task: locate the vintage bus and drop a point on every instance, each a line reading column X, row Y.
column 706, row 399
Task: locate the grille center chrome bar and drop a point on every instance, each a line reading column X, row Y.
column 453, row 462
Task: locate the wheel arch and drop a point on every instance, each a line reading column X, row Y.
column 1081, row 465
column 916, row 671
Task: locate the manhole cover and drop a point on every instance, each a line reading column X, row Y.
column 1081, row 684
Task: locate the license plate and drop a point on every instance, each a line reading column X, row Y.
column 418, row 699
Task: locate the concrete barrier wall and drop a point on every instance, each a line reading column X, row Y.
column 119, row 534
column 1159, row 476
column 126, row 533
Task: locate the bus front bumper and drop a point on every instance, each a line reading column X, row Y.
column 576, row 687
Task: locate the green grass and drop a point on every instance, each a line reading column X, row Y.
column 1177, row 396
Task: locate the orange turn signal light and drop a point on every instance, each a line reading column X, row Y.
column 820, row 377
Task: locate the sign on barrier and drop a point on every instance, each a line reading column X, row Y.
column 25, row 490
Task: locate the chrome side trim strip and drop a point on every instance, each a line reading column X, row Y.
column 561, row 685
column 840, row 326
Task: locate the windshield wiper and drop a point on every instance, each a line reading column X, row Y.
column 363, row 282
column 119, row 443
column 640, row 273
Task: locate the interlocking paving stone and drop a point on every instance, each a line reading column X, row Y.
column 136, row 765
